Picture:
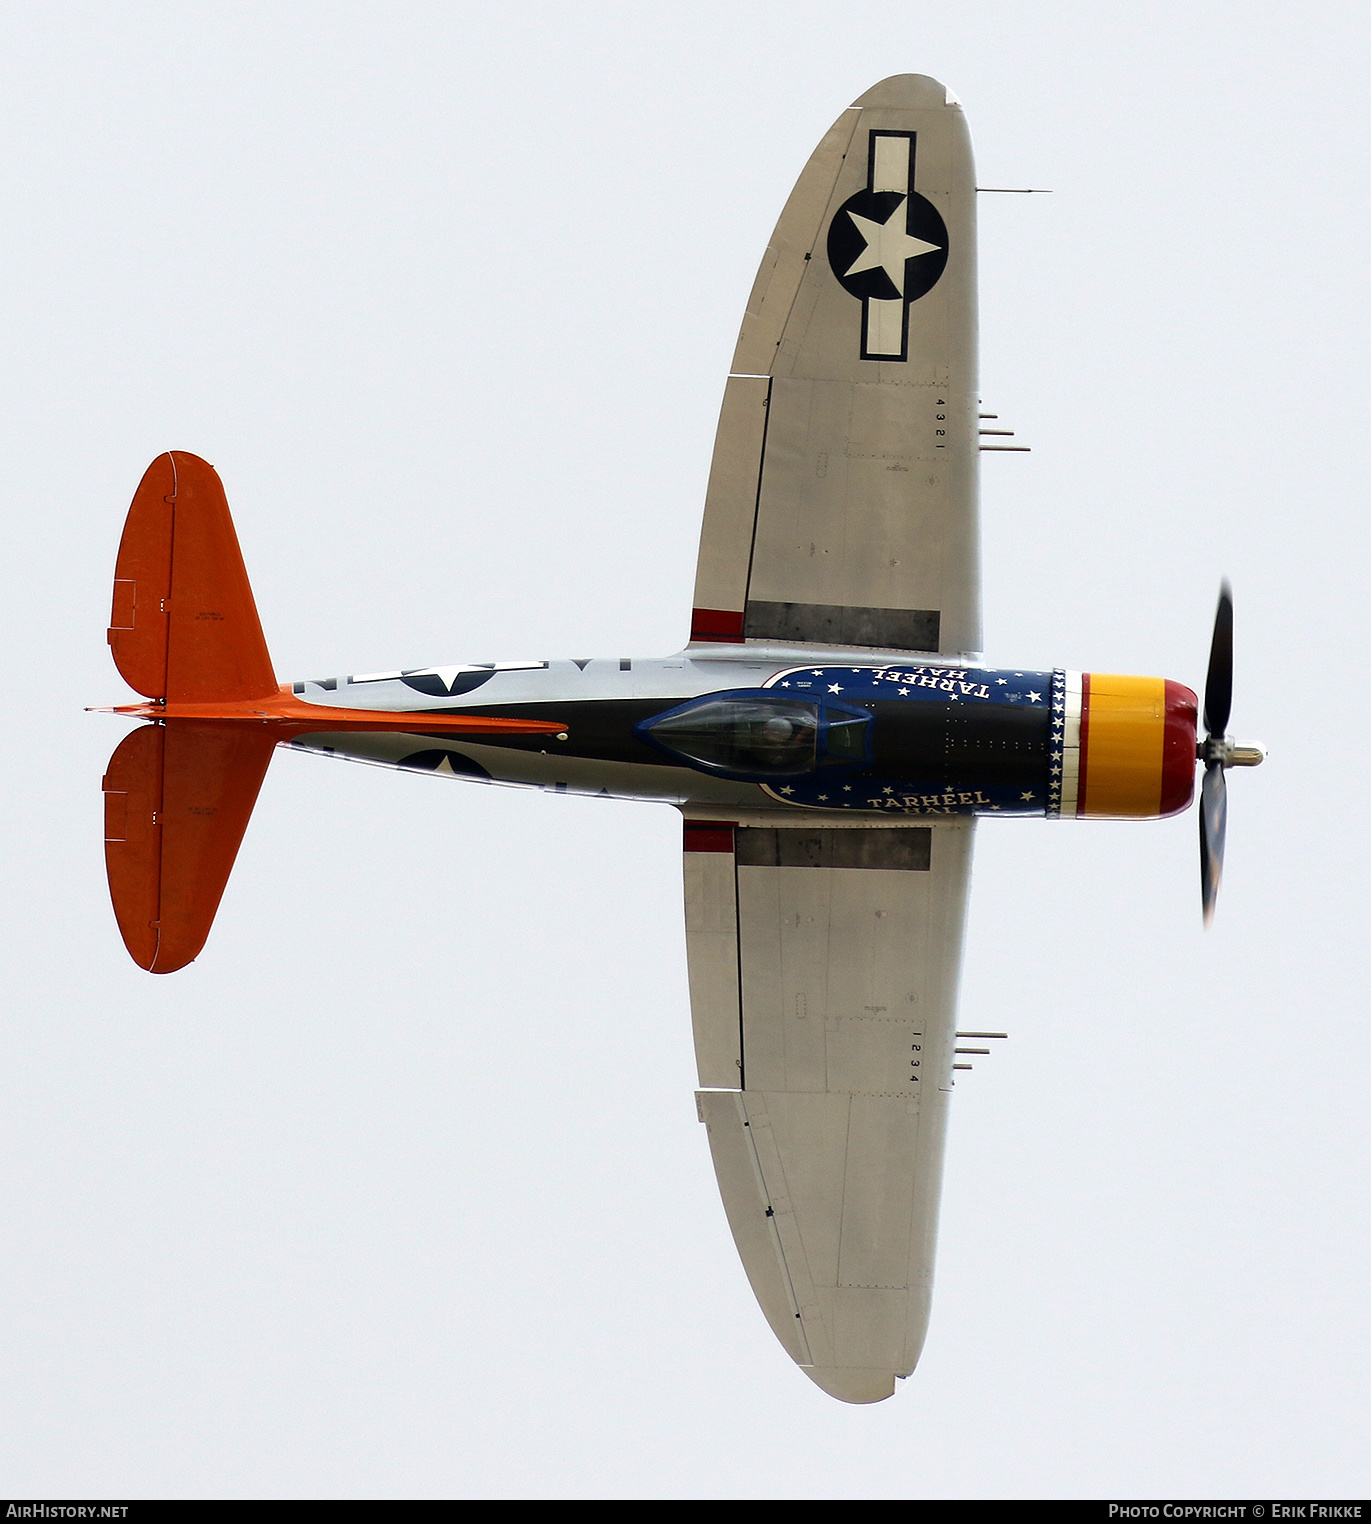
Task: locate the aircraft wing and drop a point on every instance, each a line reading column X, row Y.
column 823, row 980
column 842, row 499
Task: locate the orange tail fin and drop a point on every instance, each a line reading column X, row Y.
column 178, row 797
column 184, row 626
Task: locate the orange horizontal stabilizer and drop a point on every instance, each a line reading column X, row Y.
column 184, row 624
column 178, row 797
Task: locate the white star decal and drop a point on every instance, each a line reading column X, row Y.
column 1001, row 681
column 818, row 672
column 785, row 685
column 887, row 790
column 904, row 692
column 834, row 688
column 787, row 790
column 1026, row 796
column 822, row 798
column 887, row 246
column 1035, row 698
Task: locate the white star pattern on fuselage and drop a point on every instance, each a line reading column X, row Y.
column 888, row 245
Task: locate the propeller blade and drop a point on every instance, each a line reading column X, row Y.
column 1218, row 685
column 1213, row 830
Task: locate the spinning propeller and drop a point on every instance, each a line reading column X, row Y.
column 1218, row 751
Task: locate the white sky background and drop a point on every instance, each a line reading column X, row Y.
column 399, row 1189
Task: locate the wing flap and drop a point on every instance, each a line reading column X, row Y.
column 730, row 511
column 711, row 917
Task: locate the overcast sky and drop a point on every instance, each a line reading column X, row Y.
column 399, row 1190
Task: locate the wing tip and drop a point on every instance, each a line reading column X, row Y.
column 856, row 1384
column 908, row 92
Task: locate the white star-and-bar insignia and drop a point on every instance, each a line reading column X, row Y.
column 1034, row 698
column 888, row 245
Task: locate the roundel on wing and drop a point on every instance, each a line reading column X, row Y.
column 884, row 245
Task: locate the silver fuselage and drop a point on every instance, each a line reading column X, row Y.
column 949, row 737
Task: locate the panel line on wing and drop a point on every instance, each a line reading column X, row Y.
column 776, row 1193
column 738, row 945
column 757, row 504
column 826, row 217
column 777, row 1242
